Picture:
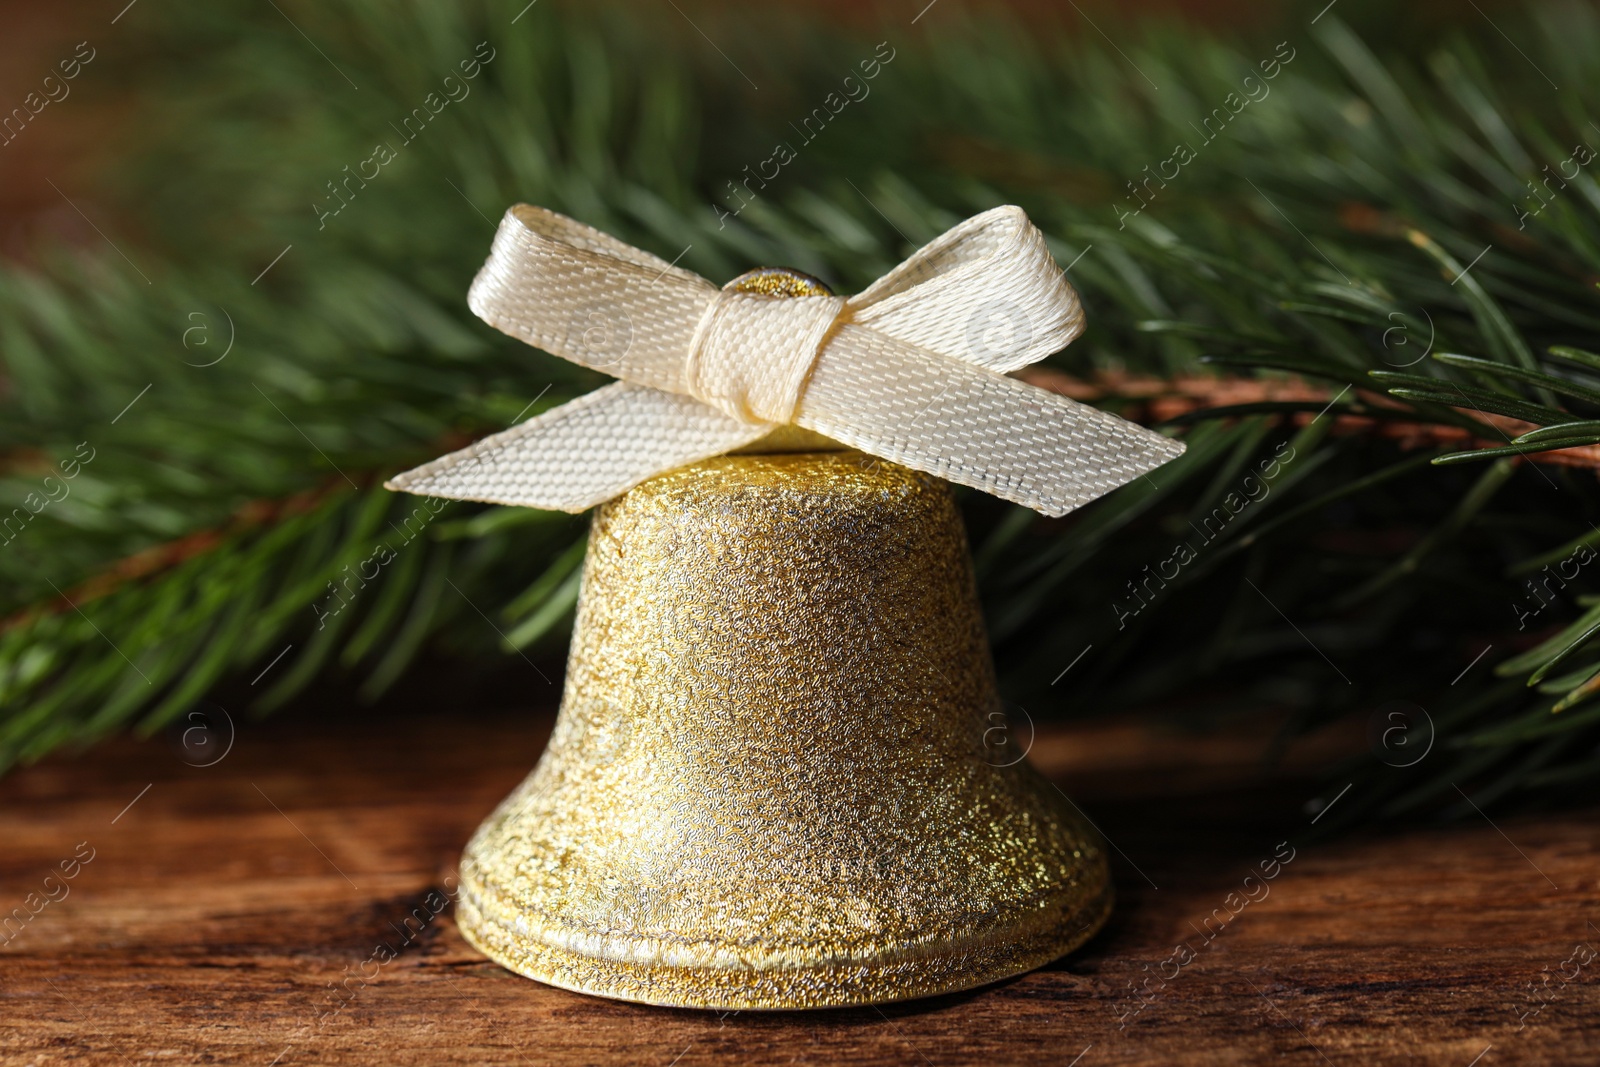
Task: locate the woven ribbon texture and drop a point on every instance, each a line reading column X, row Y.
column 913, row 370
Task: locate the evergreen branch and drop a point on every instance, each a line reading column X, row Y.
column 1386, row 178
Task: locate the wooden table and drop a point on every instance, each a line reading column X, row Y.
column 224, row 906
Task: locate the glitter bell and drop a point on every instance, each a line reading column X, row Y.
column 772, row 783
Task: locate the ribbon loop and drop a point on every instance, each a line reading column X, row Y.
column 988, row 292
column 911, row 369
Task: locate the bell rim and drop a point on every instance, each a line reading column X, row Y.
column 951, row 966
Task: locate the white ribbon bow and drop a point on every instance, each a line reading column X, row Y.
column 912, row 370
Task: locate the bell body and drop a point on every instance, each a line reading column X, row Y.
column 774, row 781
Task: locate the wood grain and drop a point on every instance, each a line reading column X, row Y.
column 228, row 914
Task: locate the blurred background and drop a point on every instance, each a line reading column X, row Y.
column 1348, row 252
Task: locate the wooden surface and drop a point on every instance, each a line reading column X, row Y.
column 223, row 909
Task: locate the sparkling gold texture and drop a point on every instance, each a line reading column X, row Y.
column 779, row 281
column 772, row 781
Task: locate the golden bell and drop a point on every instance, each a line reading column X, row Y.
column 773, row 782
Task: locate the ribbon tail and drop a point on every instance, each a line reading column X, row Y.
column 973, row 426
column 583, row 453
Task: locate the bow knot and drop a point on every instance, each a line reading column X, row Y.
column 752, row 353
column 912, row 369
